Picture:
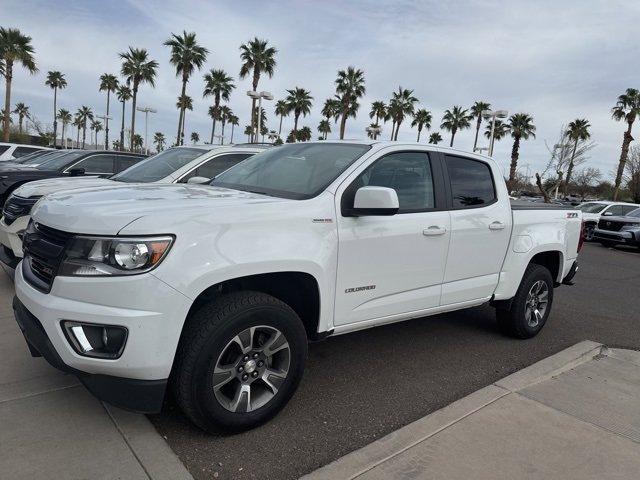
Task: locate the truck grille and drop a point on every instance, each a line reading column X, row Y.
column 16, row 207
column 610, row 225
column 43, row 250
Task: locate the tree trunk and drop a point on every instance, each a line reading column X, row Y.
column 541, row 188
column 254, row 117
column 623, row 160
column 475, row 141
column 182, row 112
column 232, row 128
column 565, row 186
column 7, row 99
column 106, row 124
column 222, row 135
column 515, row 152
column 134, row 99
column 77, row 136
column 280, row 129
column 295, row 127
column 419, row 131
column 84, row 134
column 453, row 135
column 55, row 121
column 122, row 127
column 62, row 139
column 397, row 130
column 184, row 120
column 393, row 128
column 20, row 120
column 216, row 105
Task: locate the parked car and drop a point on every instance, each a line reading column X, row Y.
column 194, row 164
column 12, row 151
column 222, row 285
column 624, row 230
column 592, row 212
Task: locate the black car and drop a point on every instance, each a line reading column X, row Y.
column 613, row 231
column 102, row 163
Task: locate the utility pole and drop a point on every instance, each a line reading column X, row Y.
column 146, row 111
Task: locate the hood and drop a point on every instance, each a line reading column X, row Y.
column 52, row 185
column 106, row 211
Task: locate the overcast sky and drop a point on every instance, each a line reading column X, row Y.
column 556, row 60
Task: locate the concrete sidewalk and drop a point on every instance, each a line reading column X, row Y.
column 51, row 427
column 574, row 415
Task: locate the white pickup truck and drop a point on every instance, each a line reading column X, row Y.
column 216, row 289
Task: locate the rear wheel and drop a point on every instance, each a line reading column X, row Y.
column 240, row 360
column 530, row 308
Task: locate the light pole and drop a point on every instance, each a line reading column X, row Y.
column 493, row 114
column 258, row 96
column 147, row 111
column 105, row 119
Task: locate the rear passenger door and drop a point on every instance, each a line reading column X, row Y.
column 480, row 230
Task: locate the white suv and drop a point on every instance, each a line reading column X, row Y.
column 192, row 164
column 592, row 211
column 11, row 151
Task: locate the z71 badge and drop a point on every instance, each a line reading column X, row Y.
column 572, row 215
column 360, row 289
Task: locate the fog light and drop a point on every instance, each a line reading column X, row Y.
column 98, row 341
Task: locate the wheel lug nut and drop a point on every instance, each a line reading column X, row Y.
column 255, row 355
column 246, row 357
column 254, row 374
column 240, row 368
column 245, row 376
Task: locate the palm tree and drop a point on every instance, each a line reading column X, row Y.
column 234, row 121
column 577, row 131
column 22, row 111
column 77, row 122
column 183, row 104
column 372, row 131
column 195, row 138
column 137, row 68
column 349, row 88
column 159, row 141
column 521, row 127
column 137, row 142
column 476, row 111
column 84, row 114
column 108, row 83
column 455, row 119
column 186, row 56
column 401, row 104
column 248, row 131
column 379, row 111
column 124, row 94
column 14, row 47
column 225, row 113
column 282, row 110
column 627, row 108
column 257, row 58
column 331, row 109
column 324, row 128
column 435, row 138
column 500, row 130
column 66, row 118
column 421, row 119
column 304, row 134
column 298, row 102
column 96, row 127
column 219, row 85
column 55, row 80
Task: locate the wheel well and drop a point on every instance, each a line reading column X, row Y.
column 297, row 289
column 549, row 260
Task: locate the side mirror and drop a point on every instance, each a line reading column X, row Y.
column 375, row 201
column 76, row 171
column 199, row 180
column 608, row 214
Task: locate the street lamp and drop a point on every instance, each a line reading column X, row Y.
column 493, row 114
column 105, row 119
column 259, row 96
column 147, row 111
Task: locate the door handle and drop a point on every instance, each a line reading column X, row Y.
column 434, row 230
column 496, row 226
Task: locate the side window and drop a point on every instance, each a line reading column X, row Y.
column 123, row 162
column 408, row 173
column 471, row 182
column 216, row 166
column 614, row 210
column 4, row 148
column 626, row 209
column 96, row 164
column 22, row 151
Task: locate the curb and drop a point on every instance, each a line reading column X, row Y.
column 356, row 463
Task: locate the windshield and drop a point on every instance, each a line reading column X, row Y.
column 295, row 171
column 60, row 161
column 159, row 166
column 592, row 207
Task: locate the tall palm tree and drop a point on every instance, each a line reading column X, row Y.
column 379, row 111
column 282, row 110
column 401, row 104
column 324, row 128
column 627, row 108
column 476, row 111
column 124, row 94
column 96, row 127
column 331, row 109
column 371, row 130
column 108, row 83
column 299, row 102
column 159, row 141
column 349, row 88
column 195, row 137
column 219, row 85
column 577, row 131
column 455, row 119
column 14, row 47
column 257, row 58
column 234, row 121
column 521, row 127
column 500, row 130
column 84, row 115
column 66, row 118
column 248, row 131
column 421, row 119
column 22, row 111
column 186, row 56
column 304, row 134
column 55, row 80
column 137, row 68
column 435, row 138
column 137, row 142
column 225, row 113
column 77, row 122
column 184, row 103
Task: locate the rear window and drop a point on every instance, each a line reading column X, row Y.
column 471, row 182
column 3, row 148
column 22, row 151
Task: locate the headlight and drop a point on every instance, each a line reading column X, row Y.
column 98, row 256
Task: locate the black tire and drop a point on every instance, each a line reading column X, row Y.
column 204, row 340
column 513, row 321
column 607, row 244
column 588, row 231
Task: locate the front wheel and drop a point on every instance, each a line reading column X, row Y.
column 588, row 232
column 530, row 308
column 240, row 360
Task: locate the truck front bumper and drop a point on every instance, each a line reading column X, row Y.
column 11, row 241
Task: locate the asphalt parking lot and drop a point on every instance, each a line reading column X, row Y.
column 361, row 386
